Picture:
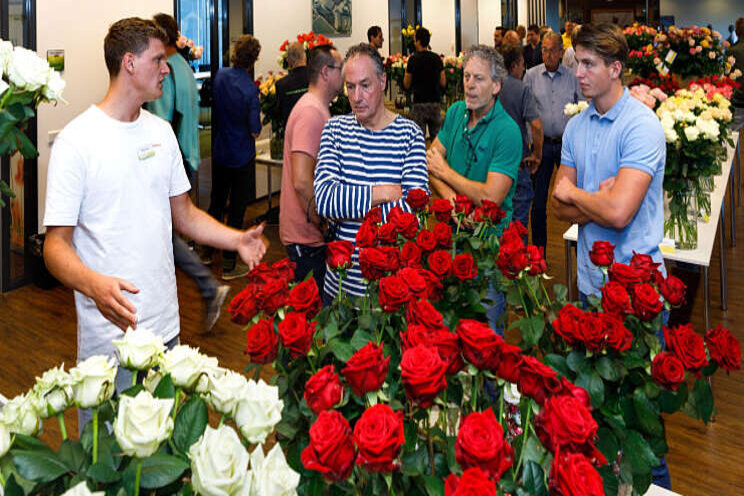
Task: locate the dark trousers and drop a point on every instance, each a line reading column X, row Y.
column 551, row 158
column 306, row 259
column 237, row 183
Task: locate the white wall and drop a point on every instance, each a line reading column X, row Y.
column 469, row 23
column 78, row 27
column 278, row 20
column 489, row 16
column 438, row 16
column 719, row 13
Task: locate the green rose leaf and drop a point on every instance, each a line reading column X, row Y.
column 102, row 473
column 637, row 450
column 703, row 399
column 165, row 389
column 341, row 350
column 533, row 479
column 532, row 329
column 415, row 463
column 577, row 361
column 647, row 413
column 609, row 479
column 607, row 444
column 434, row 485
column 72, row 454
column 190, row 424
column 607, row 369
column 593, row 385
column 38, row 465
column 160, row 470
column 360, row 339
column 558, row 363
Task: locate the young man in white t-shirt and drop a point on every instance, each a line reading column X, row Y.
column 116, row 188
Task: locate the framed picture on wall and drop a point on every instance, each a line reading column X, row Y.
column 332, row 17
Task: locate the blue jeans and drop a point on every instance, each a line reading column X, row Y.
column 495, row 310
column 188, row 261
column 522, row 200
column 551, row 158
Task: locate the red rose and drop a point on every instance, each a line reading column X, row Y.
column 323, row 390
column 273, row 295
column 479, row 215
column 392, row 258
column 724, row 348
column 443, row 234
column 625, row 275
column 602, row 254
column 440, row 263
column 422, row 312
column 480, row 345
column 305, row 298
column 474, row 482
column 366, row 370
column 446, row 342
column 615, row 299
column 687, row 346
column 262, row 342
column 387, row 234
column 407, row 224
column 577, row 392
column 417, row 199
column 338, row 254
column 285, row 269
column 510, row 362
column 422, row 371
column 261, row 274
column 393, row 293
column 565, row 424
column 667, row 370
column 618, row 337
column 433, row 284
column 244, row 306
column 379, row 436
column 331, row 450
column 373, row 263
column 571, row 474
column 512, row 258
column 537, row 380
column 463, row 204
column 394, row 213
column 492, row 211
column 296, row 333
column 592, row 333
column 567, row 323
column 646, row 302
column 463, row 267
column 410, row 255
column 374, row 215
column 366, row 236
column 415, row 282
column 673, row 290
column 442, row 209
column 426, row 240
column 645, row 264
column 514, row 232
column 537, row 260
column 480, row 443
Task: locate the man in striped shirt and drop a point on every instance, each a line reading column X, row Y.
column 371, row 157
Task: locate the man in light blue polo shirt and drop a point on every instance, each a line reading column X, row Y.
column 612, row 161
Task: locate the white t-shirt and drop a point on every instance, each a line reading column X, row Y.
column 112, row 180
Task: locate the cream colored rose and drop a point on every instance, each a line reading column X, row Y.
column 140, row 349
column 52, row 393
column 142, row 423
column 152, row 380
column 82, row 490
column 226, row 389
column 94, row 381
column 185, row 365
column 259, row 411
column 219, row 464
column 27, row 70
column 20, row 416
column 4, row 439
column 3, row 86
column 272, row 476
column 691, row 133
column 53, row 89
column 6, row 53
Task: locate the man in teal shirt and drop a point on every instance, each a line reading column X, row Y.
column 179, row 105
column 479, row 147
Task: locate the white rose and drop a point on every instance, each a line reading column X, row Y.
column 219, row 464
column 692, row 133
column 259, row 411
column 271, row 474
column 3, row 86
column 94, row 381
column 82, row 490
column 53, row 89
column 569, row 109
column 671, row 135
column 140, row 349
column 27, row 70
column 20, row 416
column 582, row 105
column 6, row 53
column 226, row 389
column 185, row 365
column 4, row 439
column 53, row 392
column 152, row 380
column 142, row 423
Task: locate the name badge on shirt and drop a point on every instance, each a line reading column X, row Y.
column 145, row 152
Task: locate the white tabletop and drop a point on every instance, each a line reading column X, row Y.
column 659, row 491
column 706, row 230
column 263, row 156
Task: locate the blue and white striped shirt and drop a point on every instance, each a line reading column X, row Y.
column 351, row 160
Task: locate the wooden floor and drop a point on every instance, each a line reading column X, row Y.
column 38, row 331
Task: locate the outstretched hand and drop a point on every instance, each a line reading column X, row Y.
column 107, row 293
column 252, row 245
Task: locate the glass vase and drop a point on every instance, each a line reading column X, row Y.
column 702, row 197
column 682, row 225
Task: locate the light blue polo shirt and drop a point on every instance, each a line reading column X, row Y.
column 598, row 146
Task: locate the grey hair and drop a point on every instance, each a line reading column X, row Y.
column 369, row 51
column 490, row 55
column 295, row 54
column 553, row 36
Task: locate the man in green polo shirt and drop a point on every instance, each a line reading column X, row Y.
column 478, row 149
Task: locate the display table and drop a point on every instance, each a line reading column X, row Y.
column 268, row 172
column 706, row 237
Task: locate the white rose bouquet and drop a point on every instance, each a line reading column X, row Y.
column 139, row 350
column 571, row 109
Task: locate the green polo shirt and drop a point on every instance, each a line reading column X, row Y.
column 494, row 144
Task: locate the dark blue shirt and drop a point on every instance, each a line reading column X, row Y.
column 236, row 115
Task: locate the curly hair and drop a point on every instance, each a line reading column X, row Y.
column 365, row 49
column 490, row 55
column 245, row 52
column 130, row 35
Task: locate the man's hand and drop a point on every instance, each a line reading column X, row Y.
column 438, row 166
column 252, row 246
column 386, row 193
column 107, row 293
column 563, row 190
column 532, row 162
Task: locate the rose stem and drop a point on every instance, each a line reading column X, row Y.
column 501, row 405
column 95, row 435
column 2, row 479
column 175, row 404
column 222, row 421
column 444, row 394
column 431, row 443
column 137, row 477
column 134, row 378
column 62, row 429
column 474, row 392
column 525, row 433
